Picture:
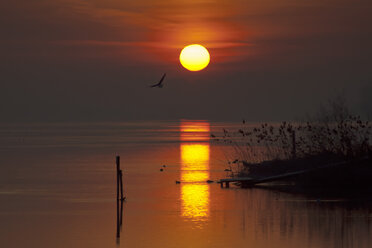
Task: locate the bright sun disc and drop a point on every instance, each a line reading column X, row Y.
column 194, row 57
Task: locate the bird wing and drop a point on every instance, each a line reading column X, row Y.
column 160, row 82
column 162, row 78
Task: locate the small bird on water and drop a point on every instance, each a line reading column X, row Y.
column 160, row 84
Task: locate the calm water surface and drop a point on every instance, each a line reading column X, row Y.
column 57, row 189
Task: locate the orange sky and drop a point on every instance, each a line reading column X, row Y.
column 302, row 50
column 232, row 30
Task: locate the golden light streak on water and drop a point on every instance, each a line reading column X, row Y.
column 195, row 171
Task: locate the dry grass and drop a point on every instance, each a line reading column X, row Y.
column 347, row 138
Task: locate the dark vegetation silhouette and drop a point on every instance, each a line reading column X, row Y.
column 333, row 136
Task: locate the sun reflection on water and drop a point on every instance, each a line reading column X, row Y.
column 195, row 170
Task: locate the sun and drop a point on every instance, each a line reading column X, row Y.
column 194, row 57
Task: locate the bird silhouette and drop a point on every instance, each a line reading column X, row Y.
column 160, row 84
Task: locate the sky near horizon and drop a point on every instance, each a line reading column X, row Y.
column 76, row 60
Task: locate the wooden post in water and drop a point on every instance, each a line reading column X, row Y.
column 117, row 176
column 119, row 181
column 119, row 198
column 118, row 221
column 293, row 144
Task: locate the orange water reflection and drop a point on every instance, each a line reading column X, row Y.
column 195, row 131
column 194, row 170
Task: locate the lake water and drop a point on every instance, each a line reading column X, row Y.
column 58, row 189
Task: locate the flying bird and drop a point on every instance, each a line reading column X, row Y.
column 160, row 84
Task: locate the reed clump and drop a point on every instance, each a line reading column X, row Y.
column 342, row 136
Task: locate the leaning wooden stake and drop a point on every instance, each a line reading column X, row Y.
column 119, row 180
column 117, row 176
column 121, row 185
column 119, row 219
